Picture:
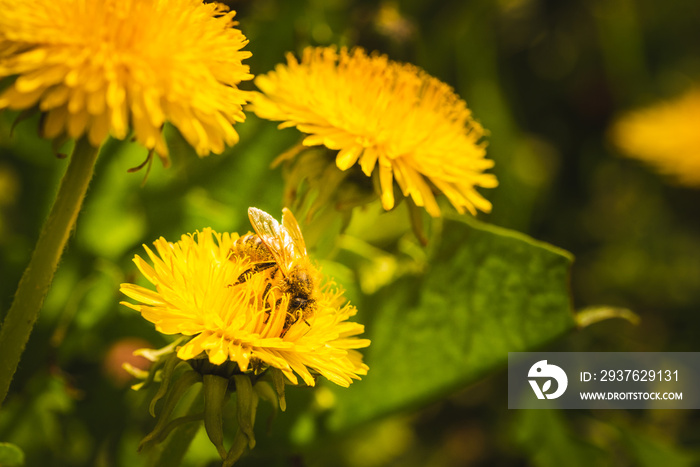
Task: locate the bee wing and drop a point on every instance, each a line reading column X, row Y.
column 273, row 235
column 290, row 224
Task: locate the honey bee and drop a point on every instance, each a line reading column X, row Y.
column 280, row 252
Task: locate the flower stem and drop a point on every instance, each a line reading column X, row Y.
column 38, row 275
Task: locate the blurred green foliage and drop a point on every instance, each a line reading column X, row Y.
column 11, row 455
column 545, row 78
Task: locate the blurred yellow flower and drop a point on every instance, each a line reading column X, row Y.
column 199, row 293
column 382, row 115
column 100, row 67
column 666, row 135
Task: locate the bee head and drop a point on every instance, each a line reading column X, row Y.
column 297, row 303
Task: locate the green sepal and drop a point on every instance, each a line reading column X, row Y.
column 166, row 377
column 278, row 383
column 159, row 357
column 416, row 216
column 247, row 401
column 215, row 390
column 332, row 178
column 185, row 381
column 240, row 441
column 57, row 143
column 179, row 421
column 265, row 391
column 25, row 114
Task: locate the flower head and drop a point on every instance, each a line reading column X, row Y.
column 666, row 135
column 200, row 293
column 100, row 67
column 388, row 117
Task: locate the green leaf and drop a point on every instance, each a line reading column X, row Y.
column 11, row 455
column 487, row 291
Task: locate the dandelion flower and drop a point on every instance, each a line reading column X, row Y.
column 385, row 116
column 666, row 135
column 199, row 293
column 100, row 67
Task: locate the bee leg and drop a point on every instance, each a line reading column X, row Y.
column 268, row 286
column 289, row 319
column 262, row 266
column 245, row 275
column 248, row 273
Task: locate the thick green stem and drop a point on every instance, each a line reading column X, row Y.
column 37, row 278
